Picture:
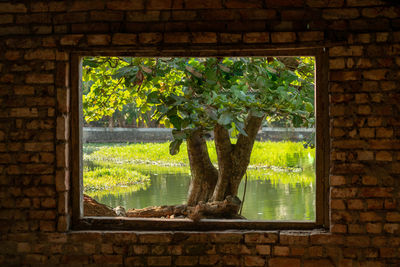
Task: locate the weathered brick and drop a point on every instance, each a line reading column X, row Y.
column 325, row 3
column 39, row 78
column 204, row 37
column 263, row 249
column 378, row 74
column 337, row 180
column 256, row 37
column 159, row 260
column 254, row 261
column 177, row 37
column 205, row 4
column 342, row 13
column 284, row 262
column 71, row 39
column 108, row 259
column 6, row 19
column 187, row 261
column 150, row 38
column 98, row 39
column 230, row 37
column 283, row 37
column 12, row 8
column 124, row 39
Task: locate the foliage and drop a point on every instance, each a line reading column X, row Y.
column 193, row 93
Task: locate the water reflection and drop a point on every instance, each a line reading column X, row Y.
column 266, row 199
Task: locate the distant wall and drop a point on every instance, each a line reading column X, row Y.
column 124, row 135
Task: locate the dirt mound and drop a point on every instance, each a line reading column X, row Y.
column 93, row 208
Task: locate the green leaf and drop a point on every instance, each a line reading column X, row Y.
column 309, row 107
column 225, row 118
column 153, row 98
column 174, row 147
column 176, row 121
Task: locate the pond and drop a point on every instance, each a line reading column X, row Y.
column 267, row 198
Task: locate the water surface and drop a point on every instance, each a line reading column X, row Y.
column 266, row 199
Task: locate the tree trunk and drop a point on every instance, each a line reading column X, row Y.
column 204, row 174
column 209, row 184
column 233, row 160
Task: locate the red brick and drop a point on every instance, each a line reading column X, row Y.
column 98, row 39
column 384, row 156
column 106, row 15
column 124, row 39
column 108, row 259
column 284, row 262
column 6, row 19
column 12, row 8
column 187, row 261
column 370, row 217
column 339, row 228
column 241, row 4
column 325, row 3
column 72, row 39
column 337, row 204
column 155, row 238
column 140, row 16
column 86, row 5
column 341, row 51
column 230, row 37
column 159, row 260
column 369, row 180
column 391, row 228
column 261, row 237
column 13, row 55
column 378, row 74
column 204, row 4
column 318, row 263
column 342, row 13
column 209, row 259
column 177, row 37
column 24, row 112
column 376, row 192
column 283, row 37
column 254, row 261
column 125, row 5
column 256, row 37
column 384, row 144
column 281, row 251
column 204, row 37
column 150, row 38
column 38, row 78
column 373, row 228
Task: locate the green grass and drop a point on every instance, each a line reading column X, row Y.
column 278, row 154
column 110, row 168
column 106, row 177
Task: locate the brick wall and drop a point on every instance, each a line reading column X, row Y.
column 363, row 39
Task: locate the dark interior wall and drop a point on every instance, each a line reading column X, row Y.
column 362, row 38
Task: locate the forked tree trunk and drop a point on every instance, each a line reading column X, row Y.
column 204, row 174
column 208, row 183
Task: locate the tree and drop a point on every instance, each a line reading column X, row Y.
column 230, row 97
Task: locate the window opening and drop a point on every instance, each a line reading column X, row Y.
column 216, row 109
column 252, row 128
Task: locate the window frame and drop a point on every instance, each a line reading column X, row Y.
column 79, row 222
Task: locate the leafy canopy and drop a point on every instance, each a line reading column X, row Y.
column 192, row 93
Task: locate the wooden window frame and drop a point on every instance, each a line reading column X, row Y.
column 79, row 222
